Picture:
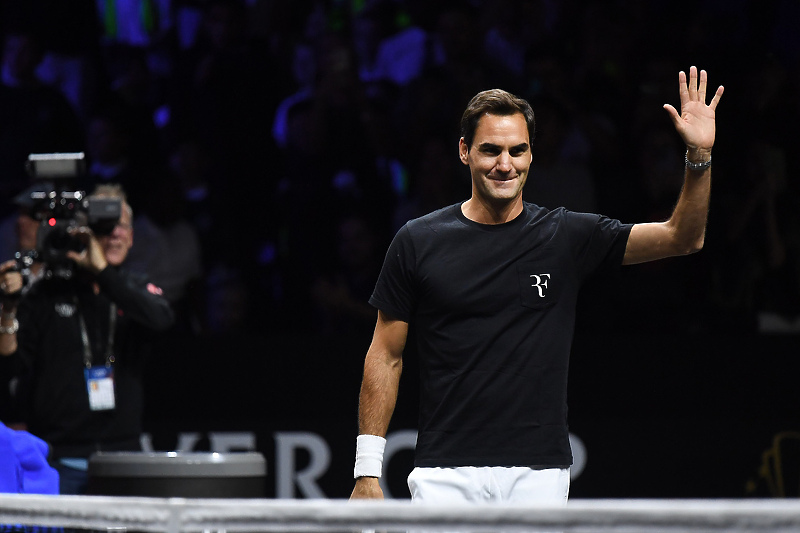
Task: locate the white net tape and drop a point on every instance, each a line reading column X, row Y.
column 177, row 515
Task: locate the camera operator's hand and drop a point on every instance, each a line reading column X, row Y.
column 10, row 290
column 92, row 258
column 10, row 280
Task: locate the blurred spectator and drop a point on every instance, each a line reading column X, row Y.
column 435, row 100
column 754, row 276
column 35, row 117
column 18, row 234
column 341, row 293
column 559, row 174
column 167, row 249
column 303, row 72
column 134, row 87
column 665, row 294
column 512, row 27
column 230, row 397
column 434, row 182
column 190, row 164
column 757, row 280
column 339, row 152
column 113, row 155
column 138, row 23
column 71, row 46
column 388, row 46
column 220, row 94
column 23, row 464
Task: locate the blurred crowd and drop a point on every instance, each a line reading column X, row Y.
column 271, row 149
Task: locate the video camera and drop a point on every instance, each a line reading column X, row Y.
column 59, row 207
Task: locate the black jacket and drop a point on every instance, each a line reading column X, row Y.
column 52, row 395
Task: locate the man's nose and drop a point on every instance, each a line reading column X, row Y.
column 504, row 162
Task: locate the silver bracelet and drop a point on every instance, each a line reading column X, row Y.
column 10, row 330
column 696, row 166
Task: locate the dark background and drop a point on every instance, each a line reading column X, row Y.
column 678, row 382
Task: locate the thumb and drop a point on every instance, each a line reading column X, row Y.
column 673, row 114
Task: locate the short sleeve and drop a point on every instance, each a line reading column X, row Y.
column 395, row 292
column 598, row 242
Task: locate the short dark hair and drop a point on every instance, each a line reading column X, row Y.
column 495, row 102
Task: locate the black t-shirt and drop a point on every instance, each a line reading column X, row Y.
column 494, row 312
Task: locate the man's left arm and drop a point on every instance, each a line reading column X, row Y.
column 141, row 301
column 684, row 232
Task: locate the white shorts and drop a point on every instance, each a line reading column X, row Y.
column 548, row 486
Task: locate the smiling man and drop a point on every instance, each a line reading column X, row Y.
column 491, row 286
column 499, row 157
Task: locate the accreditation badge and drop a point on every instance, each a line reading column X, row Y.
column 100, row 384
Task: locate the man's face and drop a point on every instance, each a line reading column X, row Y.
column 116, row 245
column 499, row 158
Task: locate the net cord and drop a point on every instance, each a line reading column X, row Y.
column 178, row 515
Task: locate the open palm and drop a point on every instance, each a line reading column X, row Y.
column 696, row 123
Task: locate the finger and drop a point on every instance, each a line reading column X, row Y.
column 701, row 89
column 717, row 96
column 693, row 83
column 682, row 88
column 75, row 256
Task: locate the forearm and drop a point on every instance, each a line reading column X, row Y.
column 379, row 390
column 375, row 407
column 683, row 233
column 382, row 368
column 688, row 221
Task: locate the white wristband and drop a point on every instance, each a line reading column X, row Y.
column 369, row 456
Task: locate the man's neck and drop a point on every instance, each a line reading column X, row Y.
column 487, row 213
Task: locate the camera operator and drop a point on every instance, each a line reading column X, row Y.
column 78, row 345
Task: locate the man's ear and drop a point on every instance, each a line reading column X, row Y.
column 463, row 151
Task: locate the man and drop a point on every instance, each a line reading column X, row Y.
column 80, row 348
column 491, row 287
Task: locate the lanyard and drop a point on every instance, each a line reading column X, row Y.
column 87, row 349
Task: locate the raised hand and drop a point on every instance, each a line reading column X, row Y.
column 696, row 123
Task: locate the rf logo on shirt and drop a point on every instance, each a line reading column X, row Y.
column 540, row 282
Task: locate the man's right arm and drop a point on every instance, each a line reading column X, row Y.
column 382, row 368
